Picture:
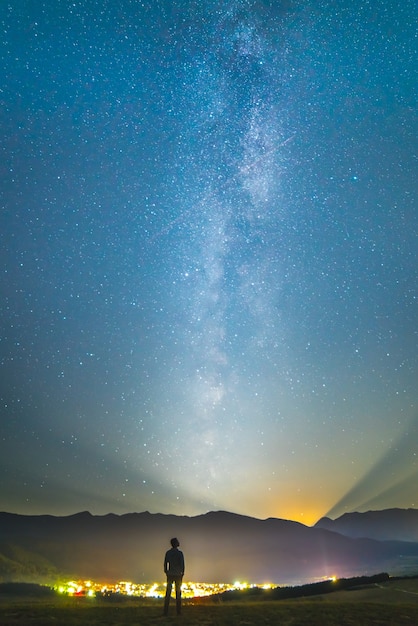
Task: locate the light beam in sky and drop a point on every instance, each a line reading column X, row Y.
column 389, row 478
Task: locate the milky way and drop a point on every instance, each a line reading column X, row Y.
column 209, row 263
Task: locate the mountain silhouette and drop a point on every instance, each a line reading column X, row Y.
column 218, row 546
column 386, row 525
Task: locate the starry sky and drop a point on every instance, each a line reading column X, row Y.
column 208, row 248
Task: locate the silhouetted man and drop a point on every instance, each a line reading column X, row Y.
column 174, row 569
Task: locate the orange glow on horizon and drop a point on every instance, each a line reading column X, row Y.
column 308, row 517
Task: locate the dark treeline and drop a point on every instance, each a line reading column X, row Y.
column 25, row 590
column 312, row 589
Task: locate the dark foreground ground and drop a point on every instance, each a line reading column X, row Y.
column 394, row 603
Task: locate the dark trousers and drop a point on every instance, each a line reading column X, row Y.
column 177, row 580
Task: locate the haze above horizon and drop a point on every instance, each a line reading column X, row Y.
column 209, row 257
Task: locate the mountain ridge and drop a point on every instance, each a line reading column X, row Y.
column 385, row 525
column 219, row 546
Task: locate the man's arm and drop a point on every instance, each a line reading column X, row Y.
column 165, row 564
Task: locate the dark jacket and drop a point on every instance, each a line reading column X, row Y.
column 174, row 562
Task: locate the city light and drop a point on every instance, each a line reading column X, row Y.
column 151, row 590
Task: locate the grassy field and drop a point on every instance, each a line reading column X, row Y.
column 394, row 603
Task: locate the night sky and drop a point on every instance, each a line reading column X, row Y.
column 208, row 248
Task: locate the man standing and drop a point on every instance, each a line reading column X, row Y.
column 174, row 569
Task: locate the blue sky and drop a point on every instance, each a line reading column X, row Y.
column 209, row 263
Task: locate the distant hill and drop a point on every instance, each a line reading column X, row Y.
column 387, row 525
column 218, row 546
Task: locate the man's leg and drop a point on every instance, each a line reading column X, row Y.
column 178, row 595
column 168, row 594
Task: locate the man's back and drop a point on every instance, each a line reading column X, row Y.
column 174, row 562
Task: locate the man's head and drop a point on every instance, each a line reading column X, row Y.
column 175, row 542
